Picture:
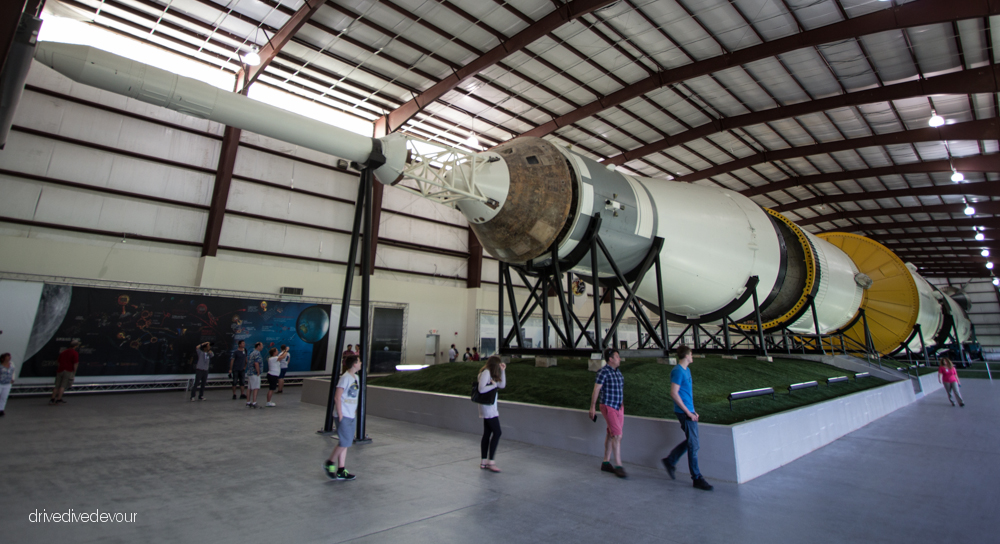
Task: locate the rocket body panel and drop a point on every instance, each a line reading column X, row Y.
column 627, row 216
column 930, row 315
column 960, row 318
column 714, row 241
column 838, row 296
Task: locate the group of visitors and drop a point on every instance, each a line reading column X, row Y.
column 245, row 369
column 608, row 397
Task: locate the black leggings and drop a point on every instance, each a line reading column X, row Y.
column 489, row 445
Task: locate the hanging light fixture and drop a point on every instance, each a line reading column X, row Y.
column 251, row 58
column 980, row 237
column 989, row 265
column 472, row 141
column 985, row 253
column 935, row 120
column 969, row 210
column 996, row 280
column 956, row 176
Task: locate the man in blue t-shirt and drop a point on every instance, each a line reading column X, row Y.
column 683, row 395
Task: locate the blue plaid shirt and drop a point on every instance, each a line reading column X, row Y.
column 612, row 387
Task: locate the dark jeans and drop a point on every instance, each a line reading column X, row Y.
column 200, row 376
column 491, row 426
column 689, row 446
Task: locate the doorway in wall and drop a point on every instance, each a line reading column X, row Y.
column 387, row 340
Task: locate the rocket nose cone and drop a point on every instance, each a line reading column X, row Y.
column 67, row 59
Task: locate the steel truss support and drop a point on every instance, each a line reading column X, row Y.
column 360, row 234
column 545, row 280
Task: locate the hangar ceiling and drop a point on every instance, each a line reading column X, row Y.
column 816, row 108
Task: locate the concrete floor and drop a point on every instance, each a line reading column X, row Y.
column 214, row 472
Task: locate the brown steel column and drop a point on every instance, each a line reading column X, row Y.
column 474, row 275
column 220, row 191
column 10, row 17
column 377, row 189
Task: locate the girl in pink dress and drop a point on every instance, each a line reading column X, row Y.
column 948, row 376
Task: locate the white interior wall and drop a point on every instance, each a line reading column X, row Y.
column 442, row 303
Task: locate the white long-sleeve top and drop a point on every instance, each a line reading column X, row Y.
column 486, row 385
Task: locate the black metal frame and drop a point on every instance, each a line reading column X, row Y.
column 360, row 233
column 548, row 277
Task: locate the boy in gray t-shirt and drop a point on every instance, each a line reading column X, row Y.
column 204, row 354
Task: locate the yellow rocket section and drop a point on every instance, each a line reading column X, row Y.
column 892, row 303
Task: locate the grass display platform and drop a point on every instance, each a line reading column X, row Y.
column 647, row 385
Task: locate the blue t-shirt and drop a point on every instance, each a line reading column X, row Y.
column 682, row 377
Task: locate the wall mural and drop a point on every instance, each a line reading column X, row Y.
column 124, row 333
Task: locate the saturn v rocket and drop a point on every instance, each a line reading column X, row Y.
column 529, row 197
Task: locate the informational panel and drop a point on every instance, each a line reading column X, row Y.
column 387, row 340
column 129, row 333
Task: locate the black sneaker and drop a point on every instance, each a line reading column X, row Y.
column 52, row 402
column 242, row 396
column 234, row 396
column 607, row 467
column 700, row 483
column 330, row 469
column 620, row 472
column 671, row 469
column 342, row 474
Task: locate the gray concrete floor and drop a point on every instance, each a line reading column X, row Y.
column 214, row 472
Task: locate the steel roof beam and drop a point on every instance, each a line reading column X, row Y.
column 988, row 207
column 987, row 222
column 983, row 129
column 966, row 235
column 555, row 19
column 975, row 163
column 248, row 74
column 918, row 13
column 979, row 80
column 987, row 188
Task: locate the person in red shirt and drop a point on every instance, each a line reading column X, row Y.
column 69, row 360
column 475, row 354
column 948, row 376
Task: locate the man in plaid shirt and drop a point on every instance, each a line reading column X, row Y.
column 610, row 388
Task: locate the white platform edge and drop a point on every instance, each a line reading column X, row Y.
column 737, row 453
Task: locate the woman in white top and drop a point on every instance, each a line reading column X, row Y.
column 492, row 376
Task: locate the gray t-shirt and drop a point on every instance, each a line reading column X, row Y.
column 203, row 358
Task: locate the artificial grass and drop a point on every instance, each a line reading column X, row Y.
column 647, row 385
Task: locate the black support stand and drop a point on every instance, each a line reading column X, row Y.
column 359, row 235
column 541, row 280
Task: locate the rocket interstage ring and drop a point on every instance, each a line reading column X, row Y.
column 800, row 281
column 892, row 302
column 538, row 206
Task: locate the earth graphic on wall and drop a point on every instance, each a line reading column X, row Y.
column 313, row 324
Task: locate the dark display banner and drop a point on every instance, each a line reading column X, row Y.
column 127, row 333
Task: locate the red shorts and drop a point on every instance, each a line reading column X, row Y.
column 615, row 419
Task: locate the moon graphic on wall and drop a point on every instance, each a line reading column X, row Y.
column 52, row 308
